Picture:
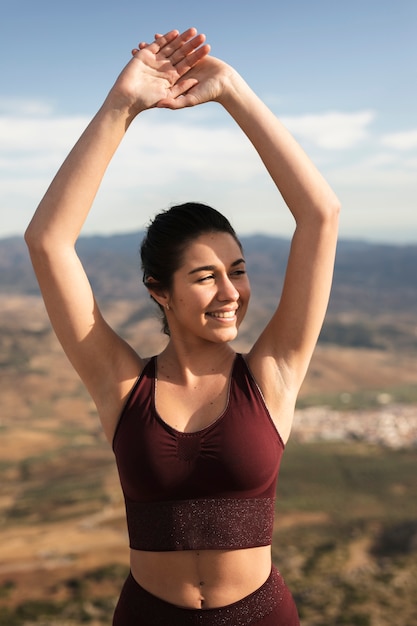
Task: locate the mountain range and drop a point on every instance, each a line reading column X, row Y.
column 370, row 278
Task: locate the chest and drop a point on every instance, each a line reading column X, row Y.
column 193, row 408
column 237, row 455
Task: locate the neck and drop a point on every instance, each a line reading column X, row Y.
column 196, row 360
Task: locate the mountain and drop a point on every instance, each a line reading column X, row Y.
column 369, row 278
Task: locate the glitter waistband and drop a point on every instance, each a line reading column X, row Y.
column 250, row 610
column 201, row 524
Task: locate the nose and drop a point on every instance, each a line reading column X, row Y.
column 227, row 292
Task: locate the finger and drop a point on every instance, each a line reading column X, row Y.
column 176, row 43
column 141, row 46
column 182, row 102
column 182, row 87
column 163, row 40
column 183, row 66
column 179, row 96
column 187, row 48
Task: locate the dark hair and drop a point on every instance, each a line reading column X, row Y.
column 167, row 237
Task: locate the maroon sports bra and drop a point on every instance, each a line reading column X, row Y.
column 211, row 489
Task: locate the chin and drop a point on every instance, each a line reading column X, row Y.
column 227, row 336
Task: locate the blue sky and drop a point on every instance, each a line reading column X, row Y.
column 341, row 75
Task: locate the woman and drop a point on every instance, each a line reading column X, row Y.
column 198, row 432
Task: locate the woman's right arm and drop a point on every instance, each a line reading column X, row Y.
column 105, row 363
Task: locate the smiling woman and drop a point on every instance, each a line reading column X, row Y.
column 167, row 248
column 198, row 431
column 208, row 290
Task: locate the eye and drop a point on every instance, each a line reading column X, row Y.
column 204, row 279
column 240, row 272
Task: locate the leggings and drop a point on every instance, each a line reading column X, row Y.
column 270, row 605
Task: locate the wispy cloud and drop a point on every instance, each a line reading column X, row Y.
column 333, row 130
column 406, row 140
column 17, row 108
column 21, row 135
column 171, row 157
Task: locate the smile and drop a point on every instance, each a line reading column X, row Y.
column 223, row 314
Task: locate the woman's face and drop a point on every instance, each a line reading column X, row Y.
column 210, row 291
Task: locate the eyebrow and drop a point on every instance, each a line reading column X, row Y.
column 212, row 268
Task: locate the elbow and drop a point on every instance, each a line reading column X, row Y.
column 331, row 206
column 44, row 245
column 33, row 239
column 323, row 219
column 329, row 211
column 39, row 242
column 319, row 210
column 323, row 214
column 43, row 237
column 336, row 207
column 335, row 213
column 29, row 237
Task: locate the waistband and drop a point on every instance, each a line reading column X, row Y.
column 200, row 524
column 145, row 608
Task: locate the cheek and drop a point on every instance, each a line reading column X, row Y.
column 245, row 291
column 190, row 303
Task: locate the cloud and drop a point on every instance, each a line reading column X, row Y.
column 161, row 157
column 17, row 108
column 332, row 130
column 23, row 135
column 406, row 140
column 201, row 154
column 155, row 152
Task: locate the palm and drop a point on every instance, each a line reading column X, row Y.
column 209, row 75
column 155, row 72
column 156, row 76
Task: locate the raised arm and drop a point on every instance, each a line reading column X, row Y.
column 292, row 333
column 280, row 357
column 104, row 362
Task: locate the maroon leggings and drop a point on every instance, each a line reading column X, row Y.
column 270, row 605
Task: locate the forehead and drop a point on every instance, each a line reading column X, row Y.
column 212, row 248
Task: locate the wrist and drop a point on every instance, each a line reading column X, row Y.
column 121, row 109
column 234, row 89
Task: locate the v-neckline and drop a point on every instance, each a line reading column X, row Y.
column 199, row 431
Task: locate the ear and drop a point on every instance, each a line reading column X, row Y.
column 160, row 295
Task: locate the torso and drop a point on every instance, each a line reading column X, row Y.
column 201, row 579
column 198, row 578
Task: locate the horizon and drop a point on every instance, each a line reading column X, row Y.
column 246, row 235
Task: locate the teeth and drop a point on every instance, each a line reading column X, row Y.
column 223, row 315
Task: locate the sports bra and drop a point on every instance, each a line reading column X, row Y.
column 210, row 489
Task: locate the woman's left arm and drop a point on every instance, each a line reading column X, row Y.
column 281, row 355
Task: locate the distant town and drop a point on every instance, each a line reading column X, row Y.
column 392, row 426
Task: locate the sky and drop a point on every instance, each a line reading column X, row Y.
column 342, row 76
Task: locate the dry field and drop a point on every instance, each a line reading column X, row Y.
column 62, row 528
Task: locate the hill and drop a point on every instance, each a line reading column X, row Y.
column 372, row 307
column 345, row 512
column 368, row 277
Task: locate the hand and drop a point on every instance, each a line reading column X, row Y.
column 212, row 78
column 154, row 73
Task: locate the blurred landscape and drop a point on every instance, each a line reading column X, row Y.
column 346, row 513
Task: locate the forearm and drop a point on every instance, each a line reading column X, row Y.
column 66, row 204
column 153, row 73
column 303, row 188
